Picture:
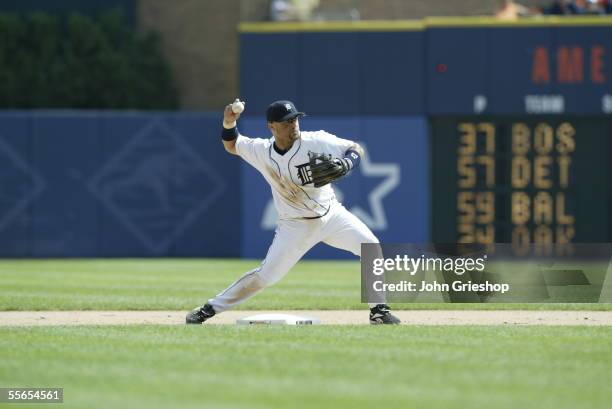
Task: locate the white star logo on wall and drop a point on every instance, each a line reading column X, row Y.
column 377, row 219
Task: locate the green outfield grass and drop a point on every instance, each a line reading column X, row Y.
column 180, row 284
column 313, row 367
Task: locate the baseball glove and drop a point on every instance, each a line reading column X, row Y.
column 325, row 169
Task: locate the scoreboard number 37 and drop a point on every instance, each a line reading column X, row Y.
column 523, row 180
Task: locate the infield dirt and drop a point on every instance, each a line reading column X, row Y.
column 327, row 317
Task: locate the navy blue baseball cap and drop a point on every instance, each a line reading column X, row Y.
column 281, row 111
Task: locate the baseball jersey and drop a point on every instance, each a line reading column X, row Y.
column 289, row 176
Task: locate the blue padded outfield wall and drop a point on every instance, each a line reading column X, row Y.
column 98, row 184
column 110, row 184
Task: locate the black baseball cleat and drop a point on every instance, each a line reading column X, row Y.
column 381, row 314
column 200, row 314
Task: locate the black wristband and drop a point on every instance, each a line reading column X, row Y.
column 229, row 134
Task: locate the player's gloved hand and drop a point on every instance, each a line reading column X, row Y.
column 325, row 169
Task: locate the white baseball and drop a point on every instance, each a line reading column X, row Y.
column 237, row 106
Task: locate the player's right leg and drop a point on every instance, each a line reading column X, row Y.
column 293, row 238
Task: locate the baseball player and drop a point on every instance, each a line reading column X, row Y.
column 299, row 166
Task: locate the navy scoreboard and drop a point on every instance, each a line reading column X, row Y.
column 521, row 179
column 521, row 131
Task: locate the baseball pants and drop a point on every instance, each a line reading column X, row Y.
column 293, row 238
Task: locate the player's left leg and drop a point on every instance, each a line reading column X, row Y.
column 346, row 231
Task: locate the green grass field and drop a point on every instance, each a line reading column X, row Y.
column 181, row 284
column 308, row 367
column 281, row 367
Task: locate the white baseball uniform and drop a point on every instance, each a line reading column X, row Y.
column 307, row 215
